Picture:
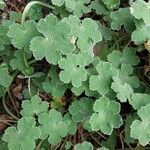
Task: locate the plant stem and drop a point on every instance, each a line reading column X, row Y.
column 29, row 86
column 38, row 146
column 29, row 5
column 4, row 98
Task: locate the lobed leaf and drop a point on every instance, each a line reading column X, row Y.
column 81, row 110
column 140, row 128
column 21, row 35
column 52, row 126
column 106, row 116
column 35, row 106
column 23, row 136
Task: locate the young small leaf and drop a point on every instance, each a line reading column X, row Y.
column 35, row 106
column 73, row 69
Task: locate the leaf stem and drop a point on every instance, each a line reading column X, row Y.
column 4, row 98
column 29, row 5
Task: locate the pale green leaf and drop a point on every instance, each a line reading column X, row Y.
column 5, row 78
column 54, row 42
column 139, row 99
column 23, row 136
column 111, row 4
column 83, row 146
column 140, row 128
column 21, row 35
column 106, row 116
column 52, row 126
column 74, row 69
column 102, row 81
column 140, row 10
column 35, row 106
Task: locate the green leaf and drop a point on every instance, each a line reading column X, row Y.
column 15, row 16
column 3, row 146
column 54, row 86
column 85, row 32
column 5, row 78
column 81, row 110
column 102, row 81
column 54, row 42
column 99, row 7
column 140, row 128
column 125, row 75
column 103, row 148
column 78, row 7
column 123, row 90
column 83, row 146
column 139, row 99
column 128, row 123
column 18, row 61
column 140, row 10
column 71, row 125
column 21, row 35
column 106, row 116
column 89, row 34
column 35, row 12
column 106, row 32
column 111, row 4
column 61, row 11
column 2, row 4
column 35, row 106
column 141, row 35
column 57, row 2
column 74, row 69
column 84, row 88
column 122, row 17
column 128, row 56
column 111, row 142
column 23, row 136
column 52, row 126
column 4, row 39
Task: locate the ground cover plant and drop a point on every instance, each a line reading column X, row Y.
column 74, row 75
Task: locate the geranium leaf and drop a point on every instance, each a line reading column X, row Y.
column 106, row 116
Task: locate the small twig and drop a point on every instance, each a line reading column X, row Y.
column 121, row 139
column 38, row 146
column 102, row 135
column 96, row 140
column 4, row 98
column 63, row 143
column 13, row 103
